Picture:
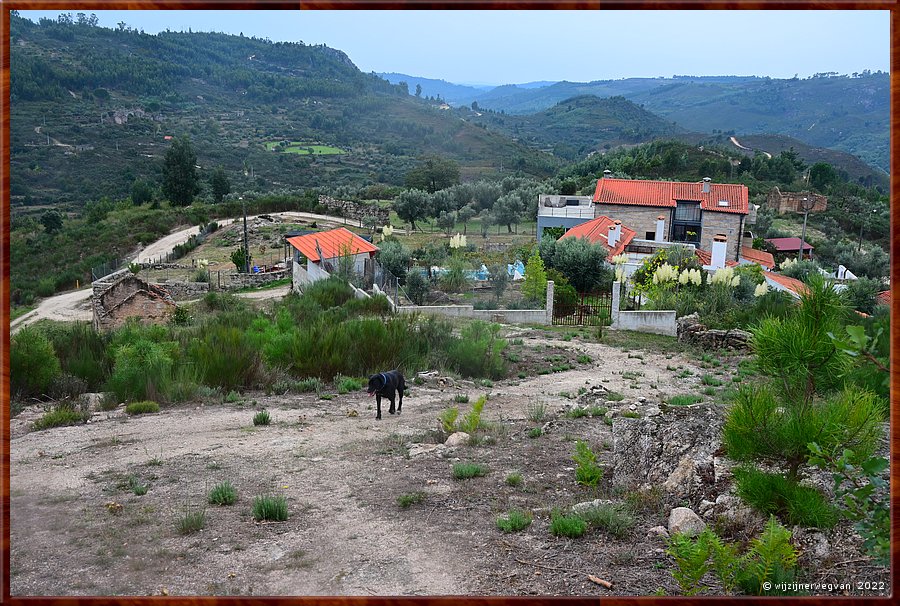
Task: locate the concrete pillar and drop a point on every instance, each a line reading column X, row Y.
column 548, row 309
column 616, row 303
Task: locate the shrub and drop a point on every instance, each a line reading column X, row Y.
column 135, row 486
column 33, row 364
column 461, row 398
column 405, row 500
column 143, row 370
column 537, row 411
column 479, row 351
column 261, row 418
column 515, row 520
column 417, row 286
column 614, row 519
column 394, row 257
column 535, row 285
column 582, row 263
column 514, row 479
column 587, row 471
column 270, row 508
column 571, row 526
column 224, row 357
column 82, row 351
column 465, row 471
column 472, row 421
column 222, row 494
column 60, row 415
column 143, row 407
column 535, row 432
column 710, row 380
column 347, row 384
column 312, row 384
column 191, row 521
column 577, row 412
column 448, row 419
column 684, row 400
column 774, row 494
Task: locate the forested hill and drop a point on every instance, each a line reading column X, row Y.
column 578, row 126
column 849, row 113
column 93, row 109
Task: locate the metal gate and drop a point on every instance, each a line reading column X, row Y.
column 589, row 309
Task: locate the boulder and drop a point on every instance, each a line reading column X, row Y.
column 684, row 520
column 460, row 438
column 586, row 505
column 673, row 448
column 658, row 531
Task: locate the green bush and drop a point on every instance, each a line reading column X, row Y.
column 515, row 520
column 33, row 364
column 774, row 494
column 514, row 479
column 262, row 418
column 61, row 415
column 612, row 518
column 347, row 384
column 82, row 351
column 224, row 357
column 471, row 422
column 479, row 351
column 587, row 471
column 684, row 400
column 448, row 418
column 222, row 494
column 405, row 500
column 417, row 286
column 270, row 508
column 571, row 526
column 144, row 407
column 191, row 521
column 143, row 371
column 465, row 471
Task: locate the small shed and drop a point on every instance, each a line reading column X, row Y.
column 321, row 250
column 123, row 295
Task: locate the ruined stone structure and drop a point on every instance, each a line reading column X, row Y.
column 355, row 210
column 122, row 295
column 690, row 330
column 789, row 201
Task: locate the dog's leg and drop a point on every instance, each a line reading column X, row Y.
column 391, row 409
column 378, row 406
column 400, row 404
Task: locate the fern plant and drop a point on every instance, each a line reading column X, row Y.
column 448, row 419
column 472, row 421
column 691, row 557
column 771, row 559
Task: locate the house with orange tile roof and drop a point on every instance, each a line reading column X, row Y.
column 792, row 286
column 321, row 251
column 760, row 257
column 609, row 233
column 693, row 213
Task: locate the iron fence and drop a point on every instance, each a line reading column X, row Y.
column 589, row 309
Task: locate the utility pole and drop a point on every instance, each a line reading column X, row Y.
column 246, row 245
column 861, row 223
column 805, row 205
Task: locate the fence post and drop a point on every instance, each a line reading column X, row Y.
column 548, row 308
column 614, row 309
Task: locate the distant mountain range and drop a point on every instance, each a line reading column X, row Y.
column 846, row 113
column 454, row 94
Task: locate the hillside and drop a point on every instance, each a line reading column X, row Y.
column 449, row 92
column 577, row 126
column 845, row 113
column 92, row 110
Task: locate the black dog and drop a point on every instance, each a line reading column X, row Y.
column 385, row 384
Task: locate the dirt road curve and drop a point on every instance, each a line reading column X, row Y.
column 738, row 144
column 75, row 305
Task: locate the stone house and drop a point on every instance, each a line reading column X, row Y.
column 791, row 201
column 690, row 213
column 122, row 295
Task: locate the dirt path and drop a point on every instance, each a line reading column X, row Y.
column 340, row 474
column 737, row 144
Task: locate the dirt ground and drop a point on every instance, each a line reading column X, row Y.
column 77, row 529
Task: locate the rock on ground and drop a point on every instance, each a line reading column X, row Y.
column 684, row 520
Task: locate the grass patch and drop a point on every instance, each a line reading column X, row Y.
column 684, row 374
column 684, row 400
column 587, row 471
column 465, row 471
column 223, row 494
column 135, row 486
column 233, row 397
column 262, row 418
column 709, row 391
column 269, row 508
column 571, row 526
column 632, row 375
column 597, row 411
column 614, row 396
column 410, row 498
column 710, row 380
column 191, row 521
column 584, row 359
column 142, row 407
column 630, row 414
column 537, row 412
column 577, row 413
column 611, row 518
column 535, row 432
column 514, row 521
column 461, row 398
column 347, row 384
column 61, row 415
column 514, row 479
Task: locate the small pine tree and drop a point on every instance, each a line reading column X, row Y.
column 535, row 286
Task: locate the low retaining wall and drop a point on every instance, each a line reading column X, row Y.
column 505, row 316
column 661, row 322
column 237, row 280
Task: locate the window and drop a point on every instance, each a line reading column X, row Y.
column 686, row 225
column 650, row 235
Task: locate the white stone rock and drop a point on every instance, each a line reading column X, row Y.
column 658, row 531
column 642, row 399
column 684, row 520
column 460, row 438
column 682, row 478
column 632, row 407
column 580, row 507
column 421, row 449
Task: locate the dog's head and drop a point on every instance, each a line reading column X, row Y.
column 376, row 383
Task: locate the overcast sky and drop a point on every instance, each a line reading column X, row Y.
column 499, row 47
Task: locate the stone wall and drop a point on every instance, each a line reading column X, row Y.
column 121, row 295
column 722, row 223
column 239, row 280
column 789, row 201
column 185, row 291
column 690, row 330
column 355, row 210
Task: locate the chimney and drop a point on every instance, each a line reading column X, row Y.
column 607, row 173
column 612, row 237
column 660, row 228
column 706, row 181
column 618, row 225
column 720, row 244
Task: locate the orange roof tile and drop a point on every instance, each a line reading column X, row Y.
column 596, row 231
column 789, row 244
column 332, row 243
column 666, row 193
column 884, row 297
column 760, row 257
column 792, row 284
column 705, row 258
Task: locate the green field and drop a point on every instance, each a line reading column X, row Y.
column 303, row 149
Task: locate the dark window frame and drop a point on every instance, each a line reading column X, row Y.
column 692, row 221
